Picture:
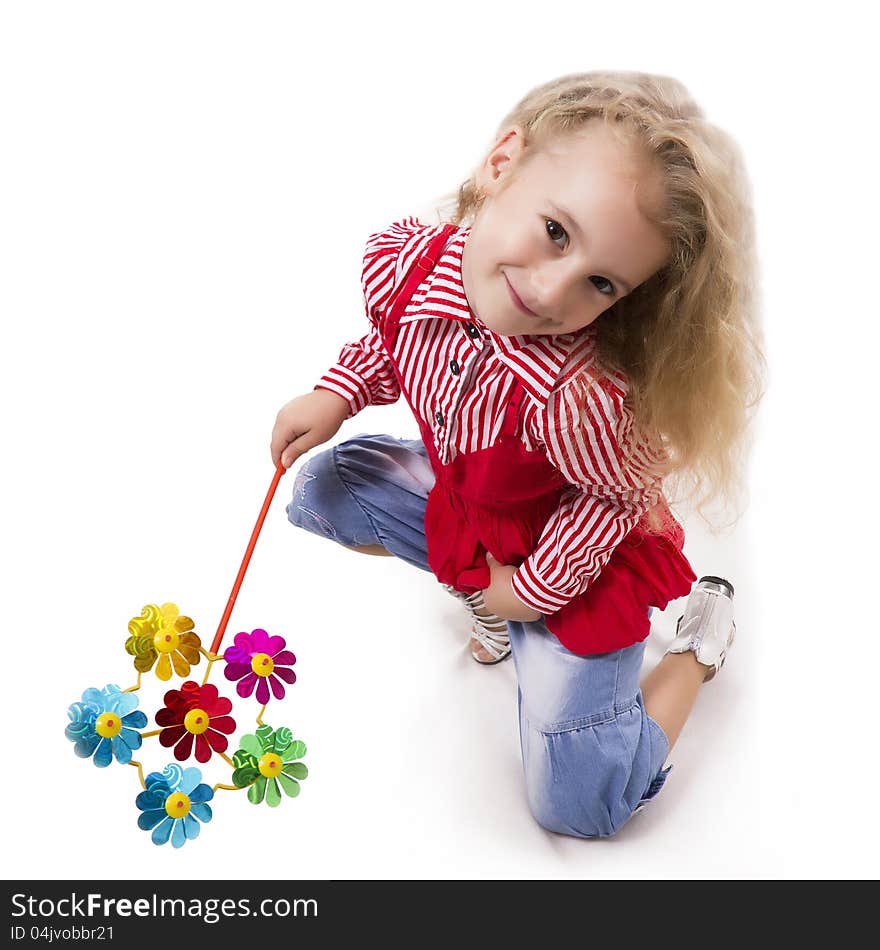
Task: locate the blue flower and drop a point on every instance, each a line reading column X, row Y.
column 173, row 804
column 105, row 724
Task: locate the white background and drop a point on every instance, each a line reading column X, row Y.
column 186, row 190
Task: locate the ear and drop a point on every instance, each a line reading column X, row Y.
column 501, row 159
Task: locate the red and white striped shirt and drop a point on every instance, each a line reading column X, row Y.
column 459, row 374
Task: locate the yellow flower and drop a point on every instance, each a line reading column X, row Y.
column 163, row 633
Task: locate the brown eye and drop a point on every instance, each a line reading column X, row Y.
column 555, row 230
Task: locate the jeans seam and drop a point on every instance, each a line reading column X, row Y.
column 584, row 722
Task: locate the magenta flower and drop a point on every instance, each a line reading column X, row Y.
column 256, row 659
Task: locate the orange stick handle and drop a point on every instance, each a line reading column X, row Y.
column 247, row 558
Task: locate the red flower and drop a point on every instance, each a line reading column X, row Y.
column 197, row 713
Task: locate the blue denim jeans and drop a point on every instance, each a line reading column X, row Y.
column 591, row 754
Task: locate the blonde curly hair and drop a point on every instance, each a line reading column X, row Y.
column 688, row 339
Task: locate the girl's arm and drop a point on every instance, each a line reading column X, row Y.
column 499, row 598
column 363, row 375
column 587, row 430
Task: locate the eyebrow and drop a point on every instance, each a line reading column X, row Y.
column 576, row 227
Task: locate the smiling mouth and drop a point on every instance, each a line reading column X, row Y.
column 519, row 304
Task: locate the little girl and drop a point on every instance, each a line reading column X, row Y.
column 580, row 333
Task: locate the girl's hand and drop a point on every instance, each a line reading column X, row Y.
column 305, row 422
column 499, row 597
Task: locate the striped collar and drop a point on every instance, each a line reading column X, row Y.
column 536, row 360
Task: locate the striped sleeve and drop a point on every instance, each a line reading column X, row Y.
column 362, row 374
column 588, row 434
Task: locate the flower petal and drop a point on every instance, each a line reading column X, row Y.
column 273, row 793
column 259, row 641
column 295, row 770
column 203, row 748
column 94, row 697
column 243, row 642
column 244, row 775
column 149, row 819
column 217, row 741
column 284, row 658
column 103, row 754
column 281, row 739
column 223, row 724
column 218, row 707
column 246, row 686
column 190, row 651
column 143, row 662
column 207, row 695
column 131, row 737
column 290, row 785
column 183, row 749
column 180, row 662
column 287, row 675
column 178, row 834
column 168, row 717
column 277, row 686
column 235, row 671
column 201, row 811
column 163, row 667
column 189, row 780
column 296, row 750
column 162, row 831
column 135, row 720
column 86, row 745
column 257, row 791
column 251, row 744
column 168, row 737
column 201, row 792
column 151, row 799
column 262, row 691
column 274, row 645
column 124, row 703
column 168, row 613
column 191, row 827
column 121, row 749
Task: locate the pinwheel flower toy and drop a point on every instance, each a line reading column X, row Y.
column 195, row 721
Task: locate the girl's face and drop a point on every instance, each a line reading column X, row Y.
column 563, row 232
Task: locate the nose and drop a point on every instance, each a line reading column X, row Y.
column 556, row 285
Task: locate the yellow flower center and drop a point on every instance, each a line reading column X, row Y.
column 166, row 640
column 262, row 664
column 177, row 805
column 108, row 725
column 270, row 765
column 196, row 721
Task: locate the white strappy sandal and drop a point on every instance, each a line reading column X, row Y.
column 489, row 631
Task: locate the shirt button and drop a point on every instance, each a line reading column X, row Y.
column 439, row 418
column 473, row 331
column 454, row 368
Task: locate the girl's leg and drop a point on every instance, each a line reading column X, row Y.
column 369, row 494
column 670, row 689
column 704, row 634
column 592, row 755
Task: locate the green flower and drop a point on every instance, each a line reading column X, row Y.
column 267, row 763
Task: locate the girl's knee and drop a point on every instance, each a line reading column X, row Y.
column 322, row 504
column 586, row 781
column 577, row 814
